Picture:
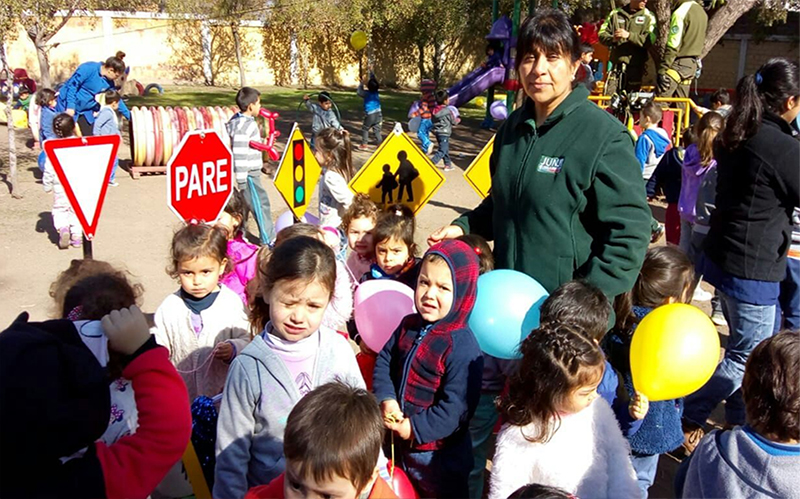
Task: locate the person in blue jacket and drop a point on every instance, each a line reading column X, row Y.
column 77, row 95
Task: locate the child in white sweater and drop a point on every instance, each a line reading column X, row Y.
column 203, row 324
column 558, row 431
column 333, row 153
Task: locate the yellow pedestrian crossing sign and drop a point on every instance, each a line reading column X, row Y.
column 297, row 174
column 398, row 172
column 478, row 174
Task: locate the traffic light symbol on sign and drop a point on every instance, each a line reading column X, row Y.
column 299, row 172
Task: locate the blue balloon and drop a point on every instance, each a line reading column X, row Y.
column 506, row 311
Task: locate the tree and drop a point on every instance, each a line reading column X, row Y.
column 41, row 24
column 232, row 11
column 9, row 13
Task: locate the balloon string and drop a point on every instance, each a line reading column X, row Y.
column 209, row 358
column 391, row 474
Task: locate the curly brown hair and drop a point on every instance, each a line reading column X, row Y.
column 556, row 360
column 96, row 286
column 362, row 206
column 771, row 387
column 198, row 240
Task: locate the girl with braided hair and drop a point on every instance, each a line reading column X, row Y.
column 64, row 218
column 558, row 431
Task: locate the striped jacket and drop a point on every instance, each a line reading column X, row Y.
column 242, row 129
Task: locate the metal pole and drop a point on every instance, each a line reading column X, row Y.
column 514, row 29
column 87, row 248
column 488, row 121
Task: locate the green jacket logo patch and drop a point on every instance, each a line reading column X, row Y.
column 550, row 165
column 639, row 20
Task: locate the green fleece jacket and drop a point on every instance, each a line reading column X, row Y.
column 567, row 198
column 687, row 32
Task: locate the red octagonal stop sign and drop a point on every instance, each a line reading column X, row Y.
column 200, row 177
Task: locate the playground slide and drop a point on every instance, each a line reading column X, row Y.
column 475, row 84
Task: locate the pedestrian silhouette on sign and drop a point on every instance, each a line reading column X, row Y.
column 387, row 184
column 406, row 173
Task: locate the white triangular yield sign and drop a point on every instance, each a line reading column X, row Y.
column 83, row 165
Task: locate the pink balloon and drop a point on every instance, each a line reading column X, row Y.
column 378, row 307
column 287, row 218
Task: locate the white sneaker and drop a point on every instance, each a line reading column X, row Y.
column 701, row 295
column 430, row 149
column 719, row 319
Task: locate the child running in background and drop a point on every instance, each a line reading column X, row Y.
column 64, row 218
column 427, row 377
column 761, row 458
column 46, row 100
column 322, row 114
column 698, row 161
column 334, row 155
column 359, row 223
column 107, row 123
column 394, row 247
column 247, row 162
column 320, row 466
column 424, row 110
column 443, row 121
column 373, row 117
column 55, row 403
column 203, row 324
column 666, row 277
column 558, row 431
column 283, row 363
column 667, row 178
column 243, row 255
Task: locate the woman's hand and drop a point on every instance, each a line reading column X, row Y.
column 639, row 406
column 446, row 232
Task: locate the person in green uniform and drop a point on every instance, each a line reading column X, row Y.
column 567, row 199
column 628, row 31
column 687, row 34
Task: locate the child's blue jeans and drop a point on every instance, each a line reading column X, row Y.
column 645, row 468
column 441, row 473
column 424, row 129
column 444, row 150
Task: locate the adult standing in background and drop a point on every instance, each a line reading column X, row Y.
column 687, row 34
column 744, row 254
column 77, row 96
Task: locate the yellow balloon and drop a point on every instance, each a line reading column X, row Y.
column 480, row 102
column 358, row 40
column 674, row 352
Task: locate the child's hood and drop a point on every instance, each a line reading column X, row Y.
column 660, row 139
column 235, row 120
column 464, row 268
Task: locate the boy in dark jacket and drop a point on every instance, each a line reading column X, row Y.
column 428, row 376
column 667, row 177
column 443, row 121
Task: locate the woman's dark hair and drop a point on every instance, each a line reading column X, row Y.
column 548, row 32
column 237, row 209
column 481, row 247
column 706, row 130
column 63, row 125
column 666, row 273
column 537, row 491
column 45, row 96
column 771, row 387
column 396, row 222
column 298, row 258
column 197, row 240
column 95, row 286
column 116, row 64
column 766, row 91
column 556, row 360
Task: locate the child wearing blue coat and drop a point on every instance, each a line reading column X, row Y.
column 107, row 123
column 667, row 276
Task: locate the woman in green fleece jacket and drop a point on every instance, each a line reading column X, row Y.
column 567, row 198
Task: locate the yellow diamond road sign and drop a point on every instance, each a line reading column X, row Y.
column 297, row 174
column 478, row 174
column 398, row 172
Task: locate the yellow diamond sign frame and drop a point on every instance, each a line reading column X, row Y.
column 398, row 167
column 478, row 175
column 297, row 174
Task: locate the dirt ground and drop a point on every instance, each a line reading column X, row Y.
column 136, row 227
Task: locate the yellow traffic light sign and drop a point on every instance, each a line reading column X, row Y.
column 297, row 174
column 398, row 172
column 478, row 174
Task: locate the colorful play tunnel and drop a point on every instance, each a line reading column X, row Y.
column 155, row 132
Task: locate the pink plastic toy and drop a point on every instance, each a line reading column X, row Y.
column 269, row 141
